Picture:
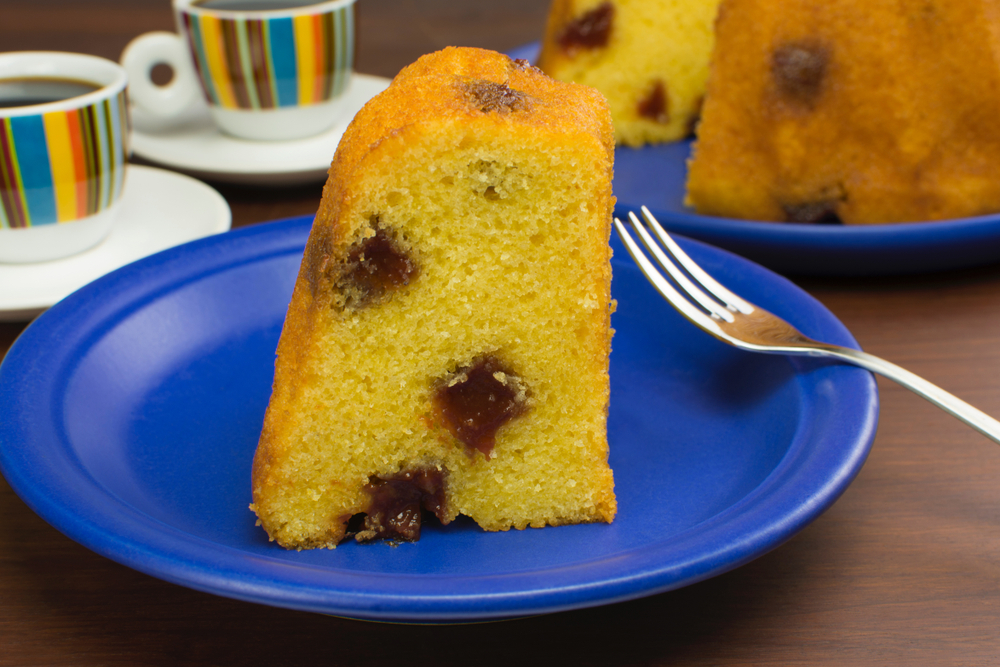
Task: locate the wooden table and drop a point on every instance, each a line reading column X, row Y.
column 903, row 569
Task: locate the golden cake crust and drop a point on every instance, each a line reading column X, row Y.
column 420, row 91
column 450, row 88
column 815, row 115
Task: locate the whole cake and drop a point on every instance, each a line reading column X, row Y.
column 648, row 57
column 861, row 111
column 446, row 346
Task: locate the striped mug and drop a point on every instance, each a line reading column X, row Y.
column 268, row 69
column 63, row 152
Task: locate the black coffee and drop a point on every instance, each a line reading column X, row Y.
column 254, row 5
column 40, row 90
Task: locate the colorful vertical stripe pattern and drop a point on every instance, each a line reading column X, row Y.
column 63, row 165
column 274, row 62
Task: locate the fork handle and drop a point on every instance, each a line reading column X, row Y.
column 950, row 403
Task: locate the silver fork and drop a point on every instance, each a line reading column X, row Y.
column 746, row 326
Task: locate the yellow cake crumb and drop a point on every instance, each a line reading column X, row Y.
column 650, row 59
column 452, row 250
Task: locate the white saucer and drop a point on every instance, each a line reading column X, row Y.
column 159, row 209
column 195, row 146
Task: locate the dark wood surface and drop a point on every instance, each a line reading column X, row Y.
column 904, row 569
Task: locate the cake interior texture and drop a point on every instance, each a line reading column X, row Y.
column 446, row 348
column 648, row 57
column 852, row 112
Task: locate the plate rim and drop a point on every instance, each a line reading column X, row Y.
column 132, row 285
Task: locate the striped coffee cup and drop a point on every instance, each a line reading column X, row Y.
column 63, row 152
column 269, row 69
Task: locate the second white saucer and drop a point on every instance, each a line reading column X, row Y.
column 197, row 147
column 159, row 209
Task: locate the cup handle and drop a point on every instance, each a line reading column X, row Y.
column 145, row 52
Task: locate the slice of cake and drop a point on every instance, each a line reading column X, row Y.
column 648, row 57
column 446, row 347
column 860, row 111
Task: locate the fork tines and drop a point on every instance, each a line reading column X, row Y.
column 729, row 302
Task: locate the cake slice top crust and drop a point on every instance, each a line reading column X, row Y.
column 484, row 91
column 466, row 85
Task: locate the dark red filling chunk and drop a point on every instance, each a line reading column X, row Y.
column 655, row 106
column 489, row 96
column 476, row 405
column 590, row 30
column 398, row 502
column 814, row 212
column 375, row 267
column 799, row 69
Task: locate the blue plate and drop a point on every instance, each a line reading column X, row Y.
column 656, row 175
column 131, row 412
